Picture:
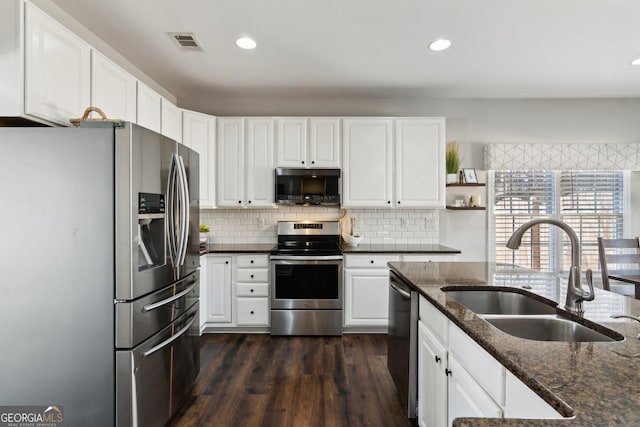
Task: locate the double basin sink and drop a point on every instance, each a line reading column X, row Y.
column 527, row 317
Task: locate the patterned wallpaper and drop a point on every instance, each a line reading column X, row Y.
column 523, row 156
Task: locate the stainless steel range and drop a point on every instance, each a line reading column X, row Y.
column 306, row 279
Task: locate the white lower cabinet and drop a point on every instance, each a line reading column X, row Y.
column 522, row 402
column 218, row 294
column 252, row 290
column 235, row 291
column 432, row 381
column 253, row 312
column 366, row 290
column 458, row 378
column 366, row 287
column 466, row 398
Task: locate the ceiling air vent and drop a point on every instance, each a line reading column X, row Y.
column 186, row 41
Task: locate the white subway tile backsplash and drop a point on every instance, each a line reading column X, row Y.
column 379, row 226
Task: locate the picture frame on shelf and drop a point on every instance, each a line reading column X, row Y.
column 470, row 176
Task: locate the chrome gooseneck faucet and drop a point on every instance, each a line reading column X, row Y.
column 575, row 293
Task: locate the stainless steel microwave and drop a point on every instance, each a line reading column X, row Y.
column 307, row 186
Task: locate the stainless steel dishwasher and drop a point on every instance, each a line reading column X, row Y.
column 402, row 342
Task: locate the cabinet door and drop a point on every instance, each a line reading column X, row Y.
column 203, row 309
column 230, row 162
column 57, row 69
column 522, row 402
column 367, row 151
column 419, row 171
column 218, row 293
column 324, row 143
column 466, row 397
column 432, row 381
column 291, row 150
column 259, row 171
column 112, row 89
column 199, row 133
column 366, row 297
column 171, row 121
column 149, row 110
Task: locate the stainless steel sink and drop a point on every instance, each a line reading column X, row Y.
column 484, row 301
column 549, row 328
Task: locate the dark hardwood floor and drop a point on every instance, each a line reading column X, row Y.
column 259, row 380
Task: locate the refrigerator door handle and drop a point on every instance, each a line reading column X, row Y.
column 169, row 340
column 184, row 211
column 166, row 301
column 171, row 203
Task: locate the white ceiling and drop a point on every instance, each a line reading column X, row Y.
column 501, row 48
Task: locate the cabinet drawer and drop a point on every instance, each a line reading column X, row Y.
column 435, row 320
column 253, row 311
column 253, row 275
column 486, row 370
column 369, row 261
column 252, row 261
column 252, row 290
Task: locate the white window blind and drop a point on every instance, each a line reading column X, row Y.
column 591, row 202
column 520, row 196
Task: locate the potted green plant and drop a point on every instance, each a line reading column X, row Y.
column 453, row 162
column 203, row 233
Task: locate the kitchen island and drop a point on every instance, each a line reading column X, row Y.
column 589, row 383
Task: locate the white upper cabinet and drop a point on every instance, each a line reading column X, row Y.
column 57, row 69
column 324, row 142
column 230, row 161
column 292, row 143
column 259, row 163
column 149, row 108
column 419, row 163
column 171, row 120
column 308, row 143
column 199, row 134
column 245, row 162
column 367, row 153
column 398, row 169
column 113, row 90
column 11, row 59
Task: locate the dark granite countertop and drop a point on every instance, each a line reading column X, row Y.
column 400, row 248
column 592, row 383
column 362, row 249
column 238, row 248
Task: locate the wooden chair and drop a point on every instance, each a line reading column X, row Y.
column 619, row 257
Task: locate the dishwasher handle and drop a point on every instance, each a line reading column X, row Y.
column 402, row 292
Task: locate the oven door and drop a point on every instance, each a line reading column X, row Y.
column 306, row 282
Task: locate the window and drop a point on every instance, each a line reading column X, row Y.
column 591, row 202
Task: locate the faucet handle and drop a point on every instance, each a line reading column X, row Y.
column 589, row 276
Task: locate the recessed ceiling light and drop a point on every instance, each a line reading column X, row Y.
column 635, row 61
column 246, row 43
column 440, row 44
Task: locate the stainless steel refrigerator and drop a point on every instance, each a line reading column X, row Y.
column 100, row 282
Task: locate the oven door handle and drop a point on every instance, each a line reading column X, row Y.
column 307, row 258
